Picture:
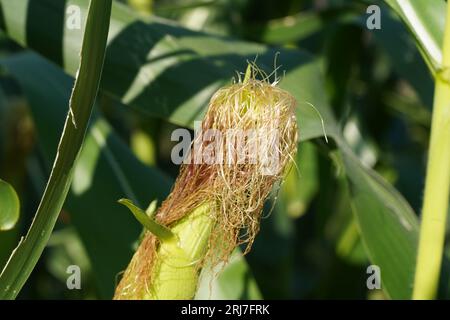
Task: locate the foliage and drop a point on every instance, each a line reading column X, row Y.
column 354, row 201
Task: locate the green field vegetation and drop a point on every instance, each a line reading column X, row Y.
column 91, row 91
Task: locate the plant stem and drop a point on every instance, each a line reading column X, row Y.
column 437, row 184
column 25, row 256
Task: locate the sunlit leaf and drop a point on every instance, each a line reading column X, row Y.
column 426, row 23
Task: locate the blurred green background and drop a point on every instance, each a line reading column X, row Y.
column 333, row 217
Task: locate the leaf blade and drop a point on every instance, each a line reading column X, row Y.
column 26, row 255
column 426, row 22
column 387, row 225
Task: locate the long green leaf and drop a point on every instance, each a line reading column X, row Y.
column 105, row 170
column 425, row 19
column 25, row 257
column 387, row 224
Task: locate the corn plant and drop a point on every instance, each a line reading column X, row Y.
column 91, row 93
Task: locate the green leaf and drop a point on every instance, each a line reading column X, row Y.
column 26, row 255
column 162, row 232
column 164, row 70
column 425, row 20
column 387, row 225
column 9, row 206
column 105, row 171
